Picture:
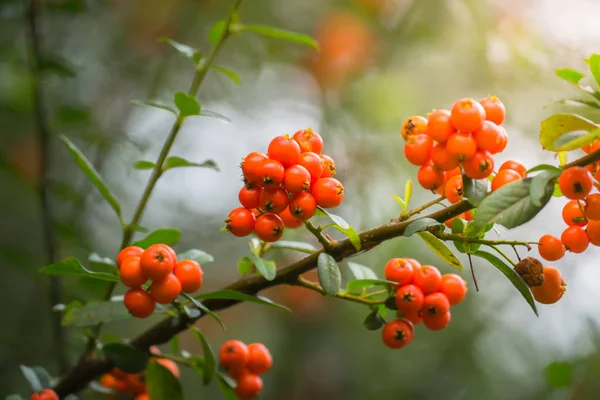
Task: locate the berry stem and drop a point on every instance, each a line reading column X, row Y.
column 325, row 242
column 582, row 210
column 422, row 208
column 340, row 295
column 503, row 254
column 464, row 239
column 473, row 272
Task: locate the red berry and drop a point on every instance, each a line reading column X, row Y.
column 435, row 303
column 249, row 196
column 248, row 386
column 260, row 360
column 480, row 166
column 296, row 179
column 575, row 183
column 165, row 290
column 240, row 222
column 190, row 275
column 428, row 279
column 285, row 150
column 313, row 164
column 436, row 322
column 461, row 146
column 303, row 206
column 467, row 115
column 269, row 227
column 274, row 200
column 328, row 166
column 551, row 248
column 270, row 173
column 489, row 137
column 504, row 177
column 328, row 192
column 494, row 109
column 418, row 149
column 398, row 334
column 400, row 270
column 289, row 221
column 575, row 239
column 439, row 126
column 454, row 287
column 442, row 159
column 409, row 299
column 234, row 353
column 44, row 394
column 131, row 251
column 139, row 303
column 250, row 165
column 431, row 178
column 516, row 166
column 309, row 140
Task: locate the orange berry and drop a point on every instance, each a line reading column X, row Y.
column 467, row 115
column 494, row 109
column 273, row 200
column 108, row 381
column 131, row 272
column 328, row 166
column 157, row 262
column 309, row 141
column 131, row 251
column 469, row 216
column 269, row 227
column 234, row 353
column 170, row 365
column 285, row 150
column 259, row 360
column 418, row 149
column 400, row 270
column 414, row 317
column 442, row 159
column 142, row 396
column 327, row 192
column 398, row 333
column 516, row 166
column 428, row 279
column 139, row 303
column 44, row 394
column 575, row 239
column 489, row 137
column 250, row 165
column 592, row 147
column 461, row 146
column 454, row 287
column 435, row 303
column 454, row 189
column 248, row 386
column 503, row 138
column 166, row 290
column 593, row 232
column 190, row 275
column 575, row 183
column 504, row 177
column 414, row 125
column 572, row 215
column 289, row 221
column 453, row 172
column 552, row 289
column 592, row 206
column 551, row 248
column 480, row 166
column 240, row 222
column 439, row 126
column 430, row 178
column 409, row 299
column 436, row 322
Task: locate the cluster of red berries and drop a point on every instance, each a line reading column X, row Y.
column 284, row 187
column 158, row 263
column 134, row 385
column 44, row 394
column 245, row 364
column 581, row 214
column 423, row 294
column 467, row 136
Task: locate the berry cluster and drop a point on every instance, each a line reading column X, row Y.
column 284, row 187
column 423, row 294
column 158, row 263
column 44, row 394
column 467, row 136
column 581, row 214
column 245, row 364
column 134, row 385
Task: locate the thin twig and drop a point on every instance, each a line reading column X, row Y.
column 325, row 242
column 422, row 208
column 473, row 272
column 305, row 283
column 464, row 239
column 34, row 55
column 517, row 253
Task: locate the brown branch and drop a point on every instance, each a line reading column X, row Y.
column 43, row 132
column 583, row 161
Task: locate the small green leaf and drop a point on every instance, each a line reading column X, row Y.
column 361, row 271
column 594, row 64
column 439, row 248
column 168, row 236
column 559, row 374
column 475, row 190
column 205, row 309
column 183, row 49
column 175, row 347
column 144, row 164
column 227, row 390
column 359, row 284
column 245, row 265
column 72, row 267
column 264, row 267
column 216, row 31
column 141, row 103
column 330, row 276
column 580, row 103
column 94, row 312
column 43, row 376
column 126, row 357
column 401, row 202
column 541, row 185
column 558, row 125
column 511, row 205
column 57, row 65
column 562, row 158
column 557, row 192
column 234, row 295
column 298, row 246
column 570, row 75
column 512, row 276
column 280, row 34
column 576, row 139
column 544, row 167
column 408, row 189
column 339, row 221
column 32, row 378
column 161, row 384
column 14, row 396
column 458, row 227
column 374, row 321
column 93, row 175
column 199, row 256
column 212, row 114
column 210, row 363
column 420, row 225
column 352, row 235
column 176, row 162
column 187, row 104
column 228, row 73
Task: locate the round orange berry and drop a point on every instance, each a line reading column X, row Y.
column 269, row 227
column 240, row 222
column 514, row 165
column 593, row 232
column 414, row 125
column 551, row 248
column 435, row 303
column 328, row 192
column 398, row 333
column 190, row 275
column 428, row 279
column 575, row 239
column 480, row 166
column 504, row 177
column 131, row 251
column 552, row 289
column 592, row 206
column 431, row 178
column 409, row 299
column 165, row 290
column 131, row 272
column 439, row 126
column 157, row 262
column 572, row 215
column 575, row 183
column 249, row 386
column 139, row 303
column 461, row 146
column 454, row 189
column 467, row 115
column 454, row 287
column 400, row 270
column 489, row 137
column 234, row 353
column 494, row 109
column 309, row 141
column 259, row 360
column 436, row 322
column 418, row 149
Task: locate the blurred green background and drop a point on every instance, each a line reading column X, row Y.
column 381, row 61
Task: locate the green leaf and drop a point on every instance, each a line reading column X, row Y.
column 126, row 357
column 226, row 389
column 569, row 75
column 144, row 164
column 105, row 263
column 138, row 228
column 374, row 321
column 298, row 246
column 511, row 205
column 187, row 104
column 72, row 267
column 161, row 384
column 420, row 225
column 352, row 235
column 559, row 374
column 330, row 276
column 183, row 49
column 14, row 396
column 439, row 248
column 210, row 364
column 93, row 175
column 245, row 265
column 142, row 103
column 562, row 158
column 543, row 167
column 199, row 256
column 168, row 236
column 264, row 267
column 558, row 125
column 280, row 34
column 541, row 185
column 228, row 73
column 580, row 103
column 359, row 284
column 458, row 227
column 57, row 65
column 475, row 190
column 401, row 202
column 594, row 64
column 212, row 114
column 339, row 221
column 43, row 376
column 175, row 347
column 205, row 309
column 512, row 276
column 32, row 378
column 408, row 189
column 576, row 139
column 176, row 162
column 216, row 31
column 361, row 271
column 95, row 312
column 234, row 295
